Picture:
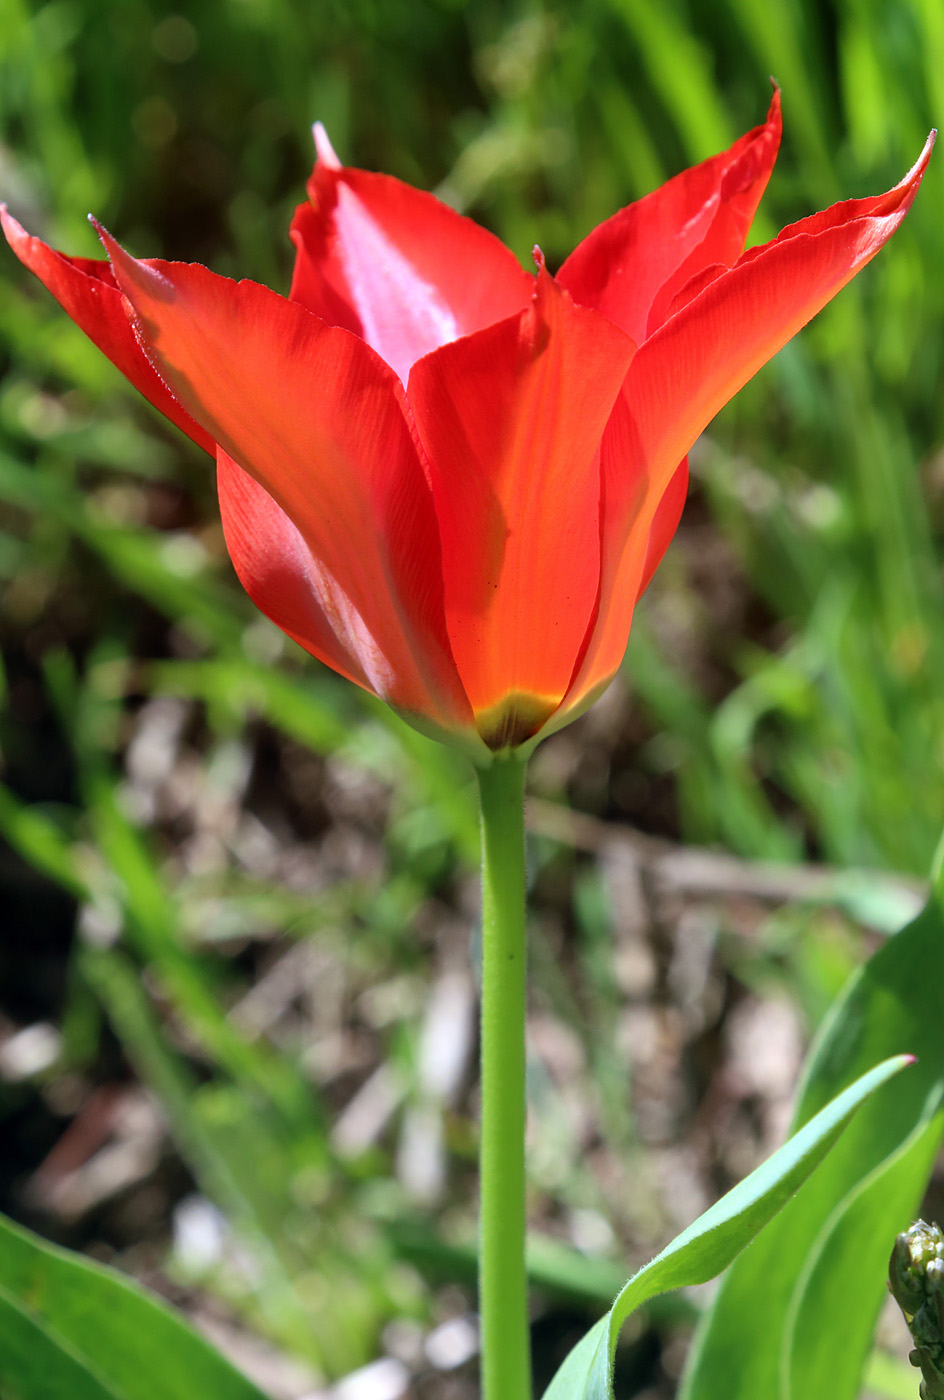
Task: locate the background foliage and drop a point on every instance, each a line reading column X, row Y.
column 186, row 799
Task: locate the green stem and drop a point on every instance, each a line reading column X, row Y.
column 503, row 1286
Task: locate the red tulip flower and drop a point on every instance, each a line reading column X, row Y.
column 446, row 477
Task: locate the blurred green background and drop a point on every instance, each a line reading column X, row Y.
column 186, row 798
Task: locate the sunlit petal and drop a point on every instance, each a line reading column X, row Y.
column 86, row 290
column 511, row 420
column 695, row 362
column 398, row 267
column 631, row 266
column 317, row 418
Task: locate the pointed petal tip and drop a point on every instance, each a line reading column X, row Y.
column 130, row 272
column 104, row 237
column 24, row 244
column 15, row 234
column 904, row 192
column 775, row 110
column 113, row 249
column 928, row 148
column 325, row 151
column 916, row 173
column 11, row 227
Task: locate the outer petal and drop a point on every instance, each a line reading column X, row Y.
column 398, row 267
column 511, row 419
column 86, row 290
column 318, row 420
column 695, row 363
column 631, row 266
column 286, row 582
column 665, row 522
column 699, row 359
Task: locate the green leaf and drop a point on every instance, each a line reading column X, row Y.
column 826, row 1255
column 71, row 1328
column 714, row 1240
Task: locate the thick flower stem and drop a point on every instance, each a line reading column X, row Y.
column 503, row 1287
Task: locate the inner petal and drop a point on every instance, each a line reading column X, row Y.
column 403, row 315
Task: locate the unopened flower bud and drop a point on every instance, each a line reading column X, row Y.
column 916, row 1280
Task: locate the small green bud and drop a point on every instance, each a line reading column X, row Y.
column 916, row 1281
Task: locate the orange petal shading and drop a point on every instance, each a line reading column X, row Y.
column 397, row 266
column 693, row 364
column 511, row 419
column 470, row 548
column 631, row 266
column 318, row 420
column 696, row 361
column 86, row 290
column 286, row 582
column 665, row 522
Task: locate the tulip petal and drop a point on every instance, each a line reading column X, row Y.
column 694, row 363
column 665, row 522
column 86, row 290
column 511, row 419
column 319, row 421
column 631, row 266
column 283, row 579
column 398, row 267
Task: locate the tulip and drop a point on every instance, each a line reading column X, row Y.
column 446, row 477
column 450, row 479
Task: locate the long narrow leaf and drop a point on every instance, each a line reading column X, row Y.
column 829, row 1247
column 716, row 1238
column 70, row 1328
